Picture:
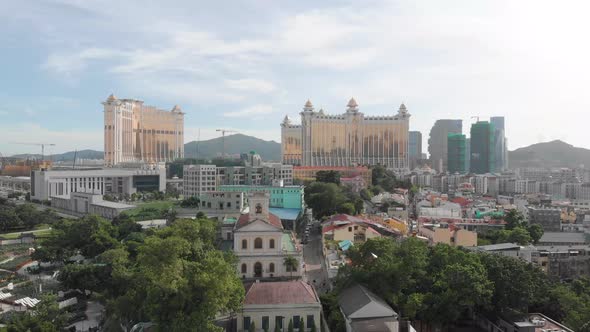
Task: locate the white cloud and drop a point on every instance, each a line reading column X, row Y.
column 251, row 84
column 251, row 111
column 68, row 63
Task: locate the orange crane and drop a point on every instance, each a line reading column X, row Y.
column 223, row 131
column 42, row 145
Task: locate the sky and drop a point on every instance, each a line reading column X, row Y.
column 244, row 65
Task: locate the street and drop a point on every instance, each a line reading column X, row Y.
column 315, row 267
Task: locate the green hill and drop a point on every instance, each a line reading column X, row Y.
column 549, row 154
column 235, row 144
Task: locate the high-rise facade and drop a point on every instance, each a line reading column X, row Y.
column 348, row 139
column 456, row 144
column 414, row 148
column 437, row 142
column 482, row 148
column 134, row 132
column 500, row 148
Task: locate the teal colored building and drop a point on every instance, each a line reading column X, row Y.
column 286, row 197
column 456, row 153
column 482, row 148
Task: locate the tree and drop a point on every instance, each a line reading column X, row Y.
column 536, row 232
column 301, row 325
column 252, row 327
column 290, row 327
column 313, row 328
column 290, row 264
column 514, row 219
column 277, row 328
column 324, row 198
column 328, row 177
column 44, row 317
column 519, row 235
column 190, row 202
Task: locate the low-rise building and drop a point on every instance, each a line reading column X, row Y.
column 449, row 234
column 353, row 232
column 308, row 173
column 81, row 204
column 562, row 239
column 215, row 203
column 533, row 322
column 269, row 305
column 46, row 184
column 289, row 197
column 364, row 311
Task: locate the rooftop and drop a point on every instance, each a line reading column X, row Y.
column 284, row 213
column 357, row 302
column 499, row 246
column 562, row 237
column 272, row 219
column 287, row 242
column 283, row 292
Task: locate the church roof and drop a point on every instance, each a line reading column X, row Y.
column 402, row 107
column 245, row 220
column 176, row 108
column 112, row 97
column 308, row 103
column 352, row 103
column 281, row 292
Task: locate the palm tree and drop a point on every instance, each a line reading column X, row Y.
column 290, row 263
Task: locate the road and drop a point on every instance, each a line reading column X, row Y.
column 315, row 266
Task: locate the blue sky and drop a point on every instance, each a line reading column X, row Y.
column 243, row 65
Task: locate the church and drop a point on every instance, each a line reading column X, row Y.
column 261, row 243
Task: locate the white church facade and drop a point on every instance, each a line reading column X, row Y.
column 261, row 244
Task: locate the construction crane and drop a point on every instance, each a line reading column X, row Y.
column 223, row 132
column 37, row 144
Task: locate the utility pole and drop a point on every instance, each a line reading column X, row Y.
column 223, row 131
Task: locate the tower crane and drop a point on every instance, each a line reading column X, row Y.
column 42, row 145
column 223, row 132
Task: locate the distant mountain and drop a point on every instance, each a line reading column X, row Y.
column 209, row 149
column 66, row 156
column 234, row 144
column 549, row 154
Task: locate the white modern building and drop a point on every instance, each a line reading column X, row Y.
column 81, row 204
column 46, row 184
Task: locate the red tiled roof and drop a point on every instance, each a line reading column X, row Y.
column 283, row 292
column 245, row 220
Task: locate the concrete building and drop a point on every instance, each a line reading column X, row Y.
column 199, row 179
column 274, row 304
column 348, row 139
column 219, row 203
column 437, row 142
column 414, row 148
column 564, row 262
column 548, row 217
column 562, row 239
column 364, row 311
column 81, row 204
column 261, row 243
column 134, row 132
column 46, row 184
column 288, row 197
column 482, row 148
column 456, row 153
column 448, row 235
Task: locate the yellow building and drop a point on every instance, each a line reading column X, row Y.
column 134, row 132
column 354, row 232
column 348, row 139
column 457, row 237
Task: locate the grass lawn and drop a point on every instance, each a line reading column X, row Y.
column 16, row 235
column 142, row 211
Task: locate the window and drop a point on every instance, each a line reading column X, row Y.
column 244, row 244
column 244, row 268
column 271, row 243
column 310, row 321
column 350, row 229
column 279, row 321
column 356, row 227
column 258, row 243
column 296, row 321
column 246, row 323
column 271, row 267
column 265, row 322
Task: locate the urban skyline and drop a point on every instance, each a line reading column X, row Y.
column 222, row 76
